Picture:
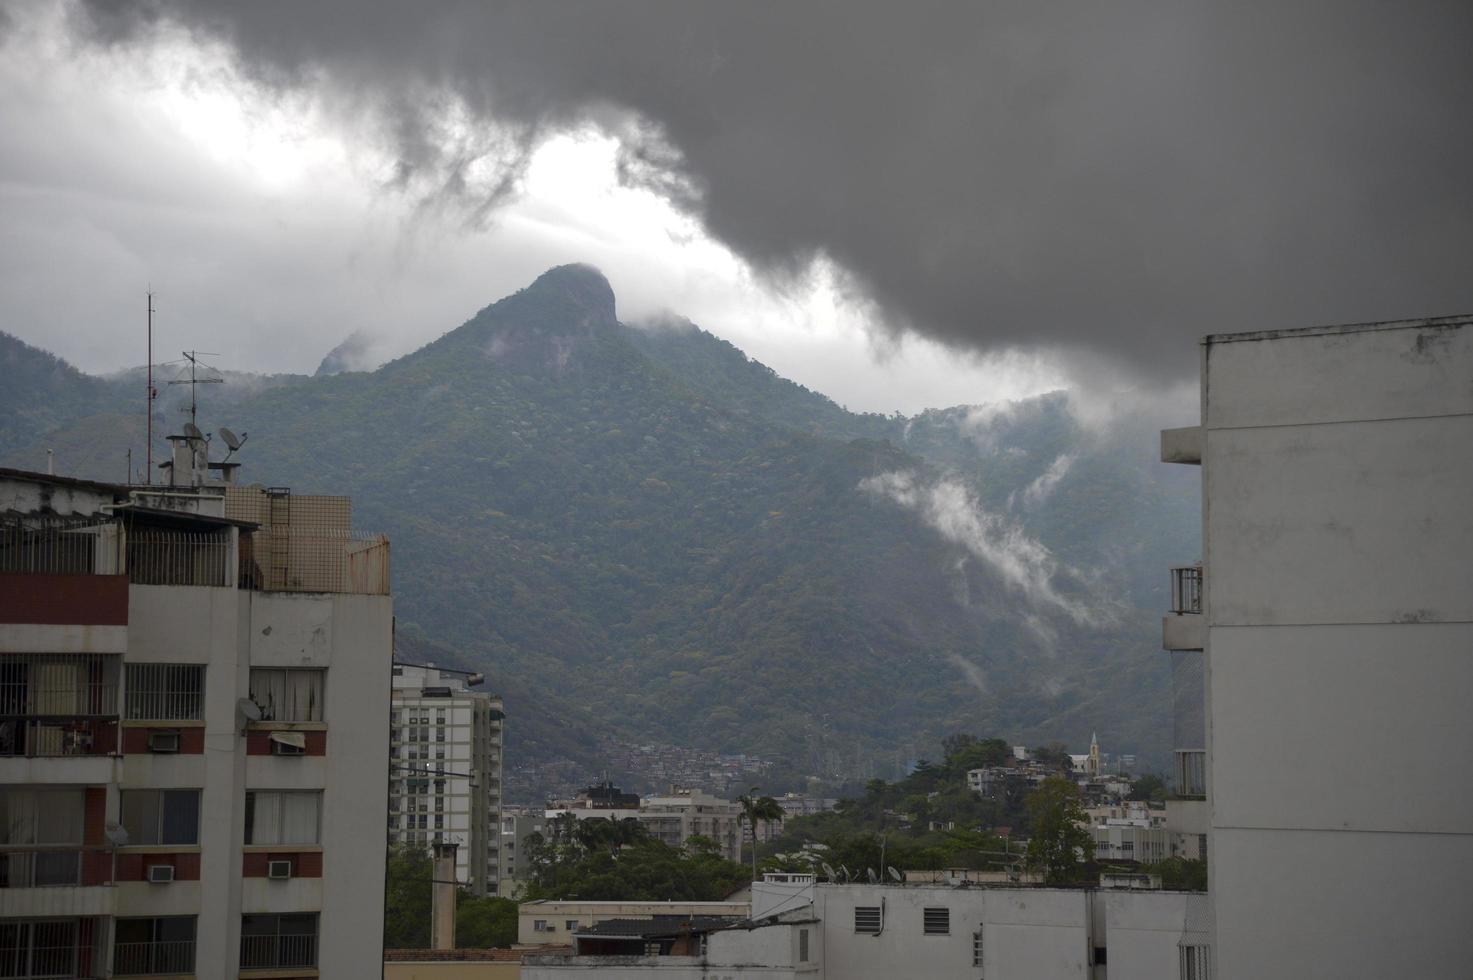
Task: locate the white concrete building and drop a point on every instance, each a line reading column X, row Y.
column 551, row 921
column 673, row 817
column 445, row 754
column 859, row 932
column 1331, row 626
column 193, row 701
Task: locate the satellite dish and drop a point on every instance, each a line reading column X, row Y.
column 895, row 874
column 829, row 872
column 870, row 874
column 231, row 439
column 192, row 431
column 845, row 868
column 116, row 835
column 249, row 710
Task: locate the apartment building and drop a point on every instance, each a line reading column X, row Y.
column 673, row 817
column 517, row 824
column 194, row 686
column 445, row 752
column 1329, row 633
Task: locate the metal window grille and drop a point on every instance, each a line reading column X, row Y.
column 160, row 557
column 1186, row 589
column 936, row 921
column 977, row 949
column 278, row 942
column 167, row 692
column 154, row 946
column 1196, row 962
column 58, row 704
column 31, row 949
column 802, row 945
column 867, row 919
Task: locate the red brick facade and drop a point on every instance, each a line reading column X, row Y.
column 134, row 867
column 305, row 864
column 64, row 600
column 191, row 739
column 259, row 743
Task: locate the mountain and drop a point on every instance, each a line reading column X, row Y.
column 641, row 534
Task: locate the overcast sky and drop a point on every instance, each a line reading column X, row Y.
column 900, row 205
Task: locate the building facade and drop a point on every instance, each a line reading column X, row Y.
column 193, row 689
column 517, row 824
column 445, row 754
column 1330, row 628
column 673, row 817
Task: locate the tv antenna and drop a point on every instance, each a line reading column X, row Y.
column 152, row 391
column 193, row 357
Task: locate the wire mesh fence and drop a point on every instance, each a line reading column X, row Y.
column 285, row 559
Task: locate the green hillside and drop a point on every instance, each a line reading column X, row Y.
column 646, row 534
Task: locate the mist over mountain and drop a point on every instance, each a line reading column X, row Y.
column 642, row 533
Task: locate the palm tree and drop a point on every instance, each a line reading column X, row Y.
column 755, row 808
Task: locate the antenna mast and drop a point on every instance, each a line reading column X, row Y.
column 152, row 393
column 192, row 356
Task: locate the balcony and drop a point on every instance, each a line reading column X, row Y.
column 1191, row 774
column 1183, row 629
column 35, row 948
column 41, row 867
column 60, row 704
column 1186, row 589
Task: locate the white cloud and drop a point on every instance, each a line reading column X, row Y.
column 1023, row 563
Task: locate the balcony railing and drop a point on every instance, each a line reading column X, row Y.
column 31, row 949
column 160, row 557
column 282, row 559
column 153, row 958
column 59, row 546
column 57, row 736
column 40, row 868
column 1186, row 589
column 277, row 952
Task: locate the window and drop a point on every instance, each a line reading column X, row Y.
column 572, row 924
column 275, row 942
column 283, row 817
column 288, row 694
column 802, row 945
column 154, row 946
column 161, row 816
column 867, row 919
column 168, row 692
column 936, row 921
column 1196, row 962
column 977, row 949
column 40, row 818
column 539, row 925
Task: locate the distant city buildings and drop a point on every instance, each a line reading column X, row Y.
column 445, row 755
column 674, row 817
column 192, row 708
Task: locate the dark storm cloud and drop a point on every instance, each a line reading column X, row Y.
column 1117, row 178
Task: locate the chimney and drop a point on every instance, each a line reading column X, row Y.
column 442, row 909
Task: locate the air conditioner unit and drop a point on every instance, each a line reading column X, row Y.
column 160, row 874
column 163, row 741
column 278, row 869
column 281, row 748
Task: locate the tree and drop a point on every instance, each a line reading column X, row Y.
column 407, row 898
column 1056, row 820
column 1148, row 787
column 756, row 808
column 482, row 923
